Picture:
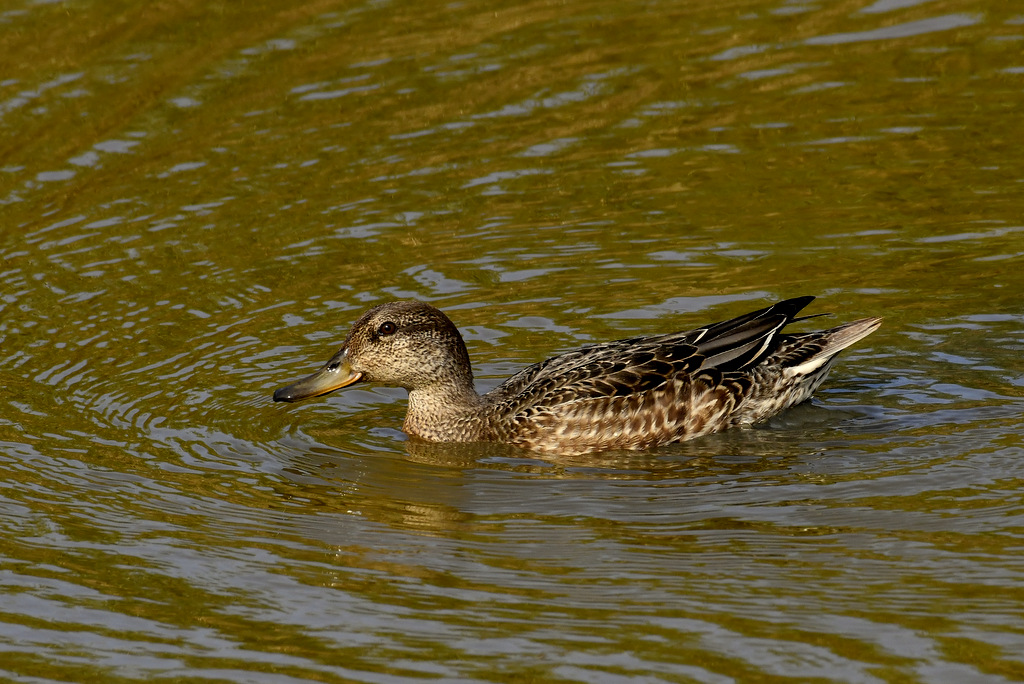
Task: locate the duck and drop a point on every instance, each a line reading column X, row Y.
column 630, row 394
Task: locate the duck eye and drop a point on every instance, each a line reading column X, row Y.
column 387, row 328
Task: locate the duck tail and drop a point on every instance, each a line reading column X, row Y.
column 838, row 339
column 815, row 352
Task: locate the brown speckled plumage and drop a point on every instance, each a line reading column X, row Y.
column 628, row 394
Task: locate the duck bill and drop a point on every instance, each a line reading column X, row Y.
column 337, row 373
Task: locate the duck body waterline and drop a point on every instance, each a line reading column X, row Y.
column 635, row 393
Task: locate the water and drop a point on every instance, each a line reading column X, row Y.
column 196, row 201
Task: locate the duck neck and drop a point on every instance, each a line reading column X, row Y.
column 443, row 412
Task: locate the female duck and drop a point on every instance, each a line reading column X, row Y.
column 629, row 394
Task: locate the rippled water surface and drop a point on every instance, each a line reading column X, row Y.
column 196, row 200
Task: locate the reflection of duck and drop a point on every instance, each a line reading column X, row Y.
column 629, row 394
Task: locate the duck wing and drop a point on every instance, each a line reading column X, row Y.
column 643, row 381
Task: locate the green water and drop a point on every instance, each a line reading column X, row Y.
column 196, row 200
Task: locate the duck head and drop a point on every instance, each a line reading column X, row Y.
column 402, row 344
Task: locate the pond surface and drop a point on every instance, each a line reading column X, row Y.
column 196, row 200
